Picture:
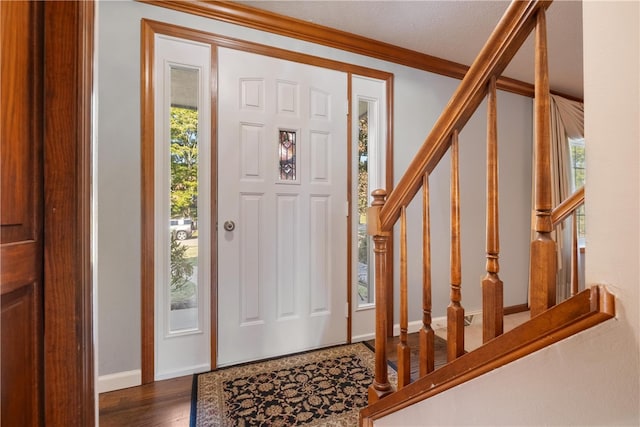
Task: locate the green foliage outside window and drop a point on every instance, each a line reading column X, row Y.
column 363, row 174
column 363, row 202
column 184, row 201
column 181, row 266
column 184, row 163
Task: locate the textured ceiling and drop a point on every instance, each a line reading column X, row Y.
column 453, row 30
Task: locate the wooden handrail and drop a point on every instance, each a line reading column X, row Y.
column 504, row 42
column 567, row 207
column 588, row 308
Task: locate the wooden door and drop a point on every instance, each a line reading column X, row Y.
column 45, row 170
column 21, row 219
column 282, row 214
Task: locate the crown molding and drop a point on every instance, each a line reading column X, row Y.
column 270, row 22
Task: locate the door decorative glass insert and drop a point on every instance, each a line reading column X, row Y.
column 287, row 153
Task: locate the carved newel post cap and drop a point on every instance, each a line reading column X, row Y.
column 379, row 197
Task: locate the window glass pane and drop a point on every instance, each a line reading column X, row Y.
column 183, row 287
column 365, row 265
column 577, row 151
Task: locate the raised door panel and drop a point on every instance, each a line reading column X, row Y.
column 20, row 348
column 21, row 254
column 20, row 86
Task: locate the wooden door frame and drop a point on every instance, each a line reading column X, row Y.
column 148, row 30
column 68, row 298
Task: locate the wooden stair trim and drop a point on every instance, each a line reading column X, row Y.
column 568, row 206
column 584, row 310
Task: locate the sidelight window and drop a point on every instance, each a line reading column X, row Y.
column 179, row 168
column 368, row 174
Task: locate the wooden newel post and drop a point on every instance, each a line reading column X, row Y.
column 380, row 386
column 542, row 281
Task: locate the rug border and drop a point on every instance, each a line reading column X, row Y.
column 194, row 401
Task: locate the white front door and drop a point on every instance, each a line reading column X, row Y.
column 282, row 191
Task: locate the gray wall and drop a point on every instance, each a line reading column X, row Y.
column 514, row 151
column 419, row 99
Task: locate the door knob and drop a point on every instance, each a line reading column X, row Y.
column 229, row 225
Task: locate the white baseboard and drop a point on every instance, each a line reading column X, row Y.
column 436, row 323
column 119, row 380
column 363, row 337
column 196, row 369
column 411, row 327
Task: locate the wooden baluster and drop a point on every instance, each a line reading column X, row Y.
column 404, row 351
column 492, row 288
column 574, row 253
column 543, row 268
column 455, row 312
column 380, row 386
column 427, row 335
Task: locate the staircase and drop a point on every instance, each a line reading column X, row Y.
column 550, row 322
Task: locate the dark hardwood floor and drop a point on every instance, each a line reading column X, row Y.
column 412, row 339
column 162, row 403
column 168, row 403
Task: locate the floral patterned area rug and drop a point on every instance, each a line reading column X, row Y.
column 326, row 387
